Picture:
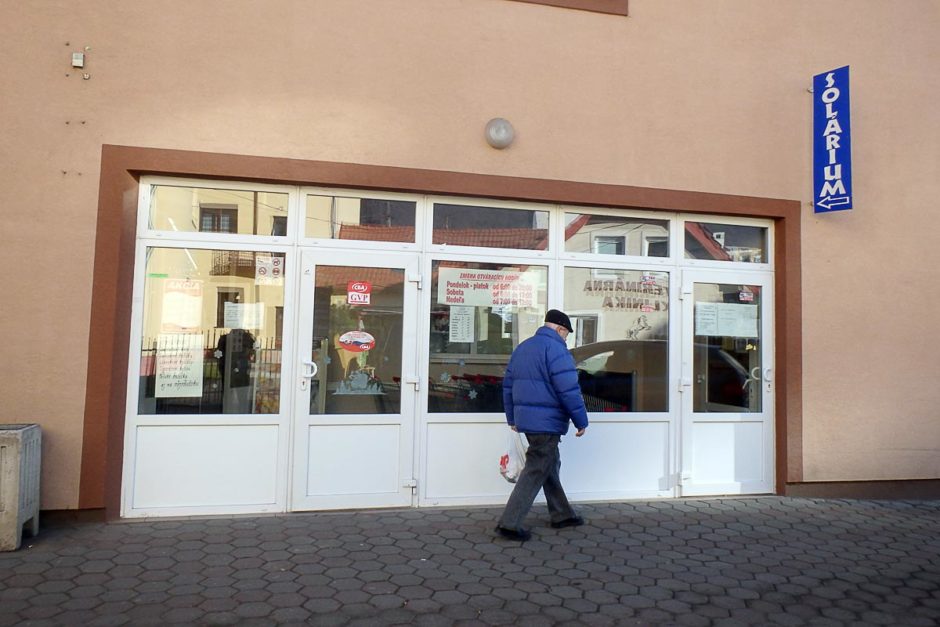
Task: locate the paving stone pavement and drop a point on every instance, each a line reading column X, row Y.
column 741, row 561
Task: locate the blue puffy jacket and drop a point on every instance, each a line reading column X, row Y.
column 540, row 389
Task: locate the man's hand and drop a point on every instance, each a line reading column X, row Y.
column 513, row 427
column 580, row 432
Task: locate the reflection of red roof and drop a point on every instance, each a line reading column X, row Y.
column 377, row 233
column 337, row 277
column 703, row 237
column 527, row 239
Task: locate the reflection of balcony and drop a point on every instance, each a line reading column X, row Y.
column 233, row 263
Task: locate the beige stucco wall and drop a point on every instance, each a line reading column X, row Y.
column 703, row 96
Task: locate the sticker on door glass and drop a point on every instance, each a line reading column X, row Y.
column 726, row 319
column 356, row 341
column 358, row 293
column 269, row 270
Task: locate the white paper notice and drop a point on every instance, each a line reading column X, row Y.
column 486, row 288
column 179, row 365
column 706, row 319
column 461, row 324
column 726, row 319
column 242, row 316
column 737, row 320
column 182, row 306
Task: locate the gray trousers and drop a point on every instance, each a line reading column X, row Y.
column 542, row 465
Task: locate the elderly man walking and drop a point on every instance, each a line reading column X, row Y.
column 541, row 395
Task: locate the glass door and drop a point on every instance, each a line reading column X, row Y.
column 726, row 383
column 356, row 381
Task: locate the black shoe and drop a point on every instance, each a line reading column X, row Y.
column 574, row 521
column 514, row 534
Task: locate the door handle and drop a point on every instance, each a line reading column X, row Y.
column 313, row 369
column 413, row 380
column 768, row 374
column 310, row 370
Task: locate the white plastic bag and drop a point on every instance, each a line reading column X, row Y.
column 512, row 461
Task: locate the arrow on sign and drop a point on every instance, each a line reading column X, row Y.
column 833, row 201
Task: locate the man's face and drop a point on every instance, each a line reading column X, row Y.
column 562, row 331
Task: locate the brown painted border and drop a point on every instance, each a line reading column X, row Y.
column 613, row 7
column 121, row 167
column 889, row 489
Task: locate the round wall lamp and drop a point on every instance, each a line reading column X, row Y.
column 499, row 133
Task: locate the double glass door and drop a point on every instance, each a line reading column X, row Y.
column 356, row 383
column 726, row 383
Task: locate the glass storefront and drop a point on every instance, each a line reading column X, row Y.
column 212, row 328
column 621, row 337
column 373, row 330
column 357, row 340
column 479, row 314
column 726, row 354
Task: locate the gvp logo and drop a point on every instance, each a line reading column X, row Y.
column 358, row 293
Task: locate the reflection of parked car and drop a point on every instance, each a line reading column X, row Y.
column 624, row 375
column 633, row 376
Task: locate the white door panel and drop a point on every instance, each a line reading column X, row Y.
column 726, row 383
column 355, row 411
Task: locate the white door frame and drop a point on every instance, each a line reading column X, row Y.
column 356, row 469
column 736, row 467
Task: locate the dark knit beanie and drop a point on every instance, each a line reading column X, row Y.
column 559, row 318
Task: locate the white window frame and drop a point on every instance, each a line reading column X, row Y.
column 764, row 266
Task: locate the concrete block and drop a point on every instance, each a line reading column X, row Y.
column 20, row 459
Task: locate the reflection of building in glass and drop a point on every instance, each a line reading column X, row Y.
column 244, row 212
column 725, row 242
column 209, row 297
column 616, row 235
column 623, row 304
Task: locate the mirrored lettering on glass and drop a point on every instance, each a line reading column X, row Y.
column 620, row 341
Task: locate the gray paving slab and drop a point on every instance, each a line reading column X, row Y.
column 732, row 561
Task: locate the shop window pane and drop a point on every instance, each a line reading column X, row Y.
column 727, row 348
column 621, row 337
column 490, row 227
column 479, row 314
column 358, row 346
column 725, row 242
column 362, row 219
column 616, row 235
column 211, row 332
column 198, row 209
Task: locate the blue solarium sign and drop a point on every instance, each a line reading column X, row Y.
column 832, row 141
